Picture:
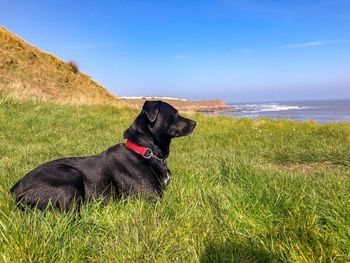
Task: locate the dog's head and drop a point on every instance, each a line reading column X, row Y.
column 165, row 121
column 160, row 121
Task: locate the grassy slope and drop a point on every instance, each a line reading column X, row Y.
column 27, row 73
column 245, row 190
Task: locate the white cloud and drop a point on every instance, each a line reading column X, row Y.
column 245, row 50
column 314, row 43
column 181, row 56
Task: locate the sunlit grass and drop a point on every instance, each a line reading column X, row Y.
column 242, row 190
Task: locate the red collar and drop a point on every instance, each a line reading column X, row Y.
column 144, row 151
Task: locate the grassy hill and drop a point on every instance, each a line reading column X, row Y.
column 242, row 191
column 27, row 73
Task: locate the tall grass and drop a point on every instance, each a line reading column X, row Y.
column 74, row 66
column 242, row 191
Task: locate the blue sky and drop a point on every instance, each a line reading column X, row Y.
column 252, row 50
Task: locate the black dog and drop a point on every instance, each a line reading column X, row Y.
column 137, row 167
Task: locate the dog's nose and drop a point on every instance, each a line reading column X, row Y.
column 193, row 124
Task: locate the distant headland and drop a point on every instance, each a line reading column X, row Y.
column 183, row 105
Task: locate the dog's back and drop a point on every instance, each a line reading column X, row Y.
column 56, row 182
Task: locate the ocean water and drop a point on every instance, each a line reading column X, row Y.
column 320, row 111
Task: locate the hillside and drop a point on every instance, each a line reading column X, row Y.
column 29, row 73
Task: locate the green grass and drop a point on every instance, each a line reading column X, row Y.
column 242, row 190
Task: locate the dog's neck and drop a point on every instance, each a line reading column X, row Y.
column 140, row 134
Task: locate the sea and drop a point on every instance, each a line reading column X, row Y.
column 326, row 111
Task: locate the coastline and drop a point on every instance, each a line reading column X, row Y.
column 322, row 111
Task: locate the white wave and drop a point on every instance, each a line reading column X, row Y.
column 268, row 107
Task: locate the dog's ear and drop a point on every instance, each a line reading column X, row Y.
column 151, row 109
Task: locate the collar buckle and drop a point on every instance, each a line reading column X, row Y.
column 148, row 154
